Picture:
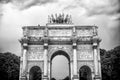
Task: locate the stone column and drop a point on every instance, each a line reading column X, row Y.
column 95, row 58
column 24, row 71
column 45, row 61
column 49, row 70
column 69, row 70
column 92, row 74
column 99, row 63
column 71, row 66
column 75, row 75
column 96, row 65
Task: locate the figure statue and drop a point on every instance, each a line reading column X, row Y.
column 59, row 19
column 53, row 19
column 56, row 19
column 66, row 18
column 62, row 17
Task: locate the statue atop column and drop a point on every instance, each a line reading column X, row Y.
column 59, row 19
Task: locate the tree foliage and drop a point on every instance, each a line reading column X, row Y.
column 67, row 78
column 110, row 61
column 9, row 66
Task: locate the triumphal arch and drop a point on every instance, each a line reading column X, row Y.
column 79, row 44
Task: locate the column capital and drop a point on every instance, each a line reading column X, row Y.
column 97, row 77
column 74, row 40
column 75, row 77
column 95, row 45
column 45, row 45
column 96, row 39
column 74, row 45
column 45, row 42
column 25, row 46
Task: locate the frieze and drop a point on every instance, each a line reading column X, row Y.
column 88, row 38
column 35, row 38
column 60, row 38
column 60, row 32
column 35, row 47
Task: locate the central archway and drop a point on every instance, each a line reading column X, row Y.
column 62, row 53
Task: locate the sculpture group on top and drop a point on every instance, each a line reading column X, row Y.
column 60, row 19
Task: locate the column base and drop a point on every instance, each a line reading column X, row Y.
column 75, row 77
column 45, row 77
column 23, row 78
column 97, row 77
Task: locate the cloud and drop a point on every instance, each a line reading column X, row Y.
column 97, row 7
column 25, row 4
column 31, row 3
column 18, row 13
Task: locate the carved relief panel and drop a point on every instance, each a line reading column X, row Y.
column 84, row 32
column 85, row 52
column 60, row 32
column 35, row 52
column 36, row 33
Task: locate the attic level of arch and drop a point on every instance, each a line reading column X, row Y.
column 59, row 34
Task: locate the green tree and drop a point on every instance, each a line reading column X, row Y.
column 110, row 61
column 66, row 78
column 9, row 66
column 53, row 79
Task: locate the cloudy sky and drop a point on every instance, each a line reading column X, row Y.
column 17, row 13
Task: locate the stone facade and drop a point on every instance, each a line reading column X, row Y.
column 40, row 43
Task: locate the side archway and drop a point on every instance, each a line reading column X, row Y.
column 35, row 73
column 85, row 73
